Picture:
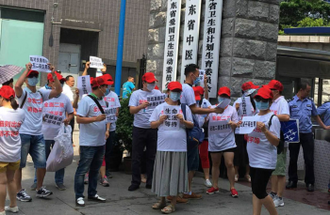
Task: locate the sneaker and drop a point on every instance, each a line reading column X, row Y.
column 23, row 196
column 96, row 198
column 208, row 183
column 86, row 179
column 104, row 182
column 109, row 175
column 234, row 193
column 212, row 190
column 43, row 192
column 272, row 195
column 34, row 186
column 10, row 209
column 60, row 187
column 279, row 202
column 192, row 196
column 133, row 187
column 80, row 202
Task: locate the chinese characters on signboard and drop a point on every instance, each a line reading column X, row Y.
column 154, row 101
column 96, row 62
column 172, row 122
column 191, row 34
column 111, row 114
column 84, row 85
column 39, row 63
column 171, row 41
column 211, row 43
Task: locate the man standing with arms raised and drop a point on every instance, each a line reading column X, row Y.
column 31, row 101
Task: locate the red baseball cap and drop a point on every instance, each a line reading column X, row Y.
column 7, row 92
column 174, row 85
column 108, row 77
column 58, row 75
column 264, row 92
column 99, row 81
column 224, row 90
column 198, row 92
column 156, row 87
column 275, row 84
column 149, row 77
column 249, row 85
column 31, row 72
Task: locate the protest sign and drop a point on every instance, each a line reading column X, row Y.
column 84, row 85
column 246, row 107
column 290, row 131
column 96, row 62
column 39, row 63
column 216, row 127
column 172, row 122
column 224, row 103
column 201, row 77
column 111, row 114
column 154, row 101
column 249, row 123
column 52, row 119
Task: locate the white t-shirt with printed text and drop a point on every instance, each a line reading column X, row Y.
column 33, row 110
column 141, row 119
column 10, row 140
column 113, row 102
column 223, row 141
column 262, row 154
column 171, row 140
column 91, row 134
column 57, row 109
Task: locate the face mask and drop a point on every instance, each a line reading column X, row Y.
column 33, row 81
column 220, row 99
column 262, row 105
column 197, row 81
column 150, row 87
column 107, row 91
column 175, row 96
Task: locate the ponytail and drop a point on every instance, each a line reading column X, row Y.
column 13, row 103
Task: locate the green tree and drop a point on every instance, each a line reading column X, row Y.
column 294, row 13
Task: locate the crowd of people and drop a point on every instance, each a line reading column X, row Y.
column 161, row 134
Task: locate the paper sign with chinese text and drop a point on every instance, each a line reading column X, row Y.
column 39, row 63
column 111, row 115
column 249, row 123
column 96, row 62
column 216, row 127
column 84, row 85
column 172, row 122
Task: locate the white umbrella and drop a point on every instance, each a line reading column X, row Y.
column 8, row 72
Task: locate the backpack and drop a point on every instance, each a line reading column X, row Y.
column 195, row 135
column 280, row 146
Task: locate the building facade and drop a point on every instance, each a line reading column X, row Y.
column 67, row 32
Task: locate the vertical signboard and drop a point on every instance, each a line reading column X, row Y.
column 211, row 43
column 171, row 41
column 191, row 34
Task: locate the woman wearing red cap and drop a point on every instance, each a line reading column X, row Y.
column 11, row 120
column 222, row 142
column 170, row 175
column 262, row 151
column 245, row 106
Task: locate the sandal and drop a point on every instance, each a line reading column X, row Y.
column 248, row 178
column 168, row 209
column 159, row 205
column 236, row 177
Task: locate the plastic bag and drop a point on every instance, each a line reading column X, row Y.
column 61, row 155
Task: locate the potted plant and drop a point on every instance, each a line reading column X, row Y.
column 124, row 131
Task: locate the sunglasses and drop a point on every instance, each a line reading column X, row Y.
column 33, row 76
column 259, row 99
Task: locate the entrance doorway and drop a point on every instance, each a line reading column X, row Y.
column 69, row 59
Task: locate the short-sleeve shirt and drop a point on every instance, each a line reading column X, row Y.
column 303, row 110
column 10, row 140
column 201, row 117
column 324, row 110
column 127, row 89
column 171, row 140
column 223, row 141
column 68, row 92
column 33, row 110
column 141, row 119
column 262, row 154
column 280, row 106
column 91, row 134
column 55, row 108
column 187, row 95
column 113, row 102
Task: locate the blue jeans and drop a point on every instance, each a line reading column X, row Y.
column 35, row 146
column 91, row 159
column 59, row 175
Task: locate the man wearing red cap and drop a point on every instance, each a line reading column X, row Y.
column 188, row 97
column 245, row 106
column 143, row 135
column 280, row 108
column 92, row 137
column 31, row 101
column 59, row 108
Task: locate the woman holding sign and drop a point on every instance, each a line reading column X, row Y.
column 170, row 175
column 222, row 141
column 262, row 151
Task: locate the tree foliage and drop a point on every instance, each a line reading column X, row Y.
column 304, row 13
